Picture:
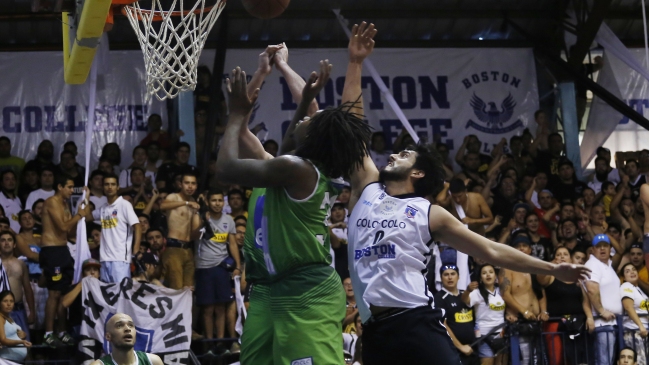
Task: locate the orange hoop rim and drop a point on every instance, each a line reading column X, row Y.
column 167, row 13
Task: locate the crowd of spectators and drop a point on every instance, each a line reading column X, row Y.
column 524, row 192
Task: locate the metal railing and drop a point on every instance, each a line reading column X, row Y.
column 580, row 347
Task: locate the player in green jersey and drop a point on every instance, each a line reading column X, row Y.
column 296, row 294
column 120, row 332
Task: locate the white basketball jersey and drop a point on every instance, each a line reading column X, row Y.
column 389, row 247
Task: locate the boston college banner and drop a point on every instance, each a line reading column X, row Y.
column 162, row 317
column 446, row 93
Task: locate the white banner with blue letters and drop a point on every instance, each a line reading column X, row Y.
column 445, row 92
column 162, row 318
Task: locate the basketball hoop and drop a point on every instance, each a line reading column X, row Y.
column 172, row 41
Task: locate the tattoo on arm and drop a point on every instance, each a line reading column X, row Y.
column 504, row 286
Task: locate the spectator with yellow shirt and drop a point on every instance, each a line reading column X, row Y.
column 635, row 303
column 217, row 260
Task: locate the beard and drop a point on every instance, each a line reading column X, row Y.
column 601, row 177
column 392, row 175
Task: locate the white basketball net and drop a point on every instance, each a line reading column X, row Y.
column 172, row 42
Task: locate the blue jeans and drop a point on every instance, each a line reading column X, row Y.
column 114, row 271
column 604, row 345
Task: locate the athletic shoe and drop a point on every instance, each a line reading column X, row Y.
column 52, row 341
column 66, row 339
column 235, row 348
column 220, row 349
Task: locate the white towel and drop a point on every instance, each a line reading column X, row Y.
column 438, row 266
column 241, row 308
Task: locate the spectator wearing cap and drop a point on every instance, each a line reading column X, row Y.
column 635, row 303
column 458, row 317
column 566, row 187
column 147, row 269
column 522, row 295
column 603, row 290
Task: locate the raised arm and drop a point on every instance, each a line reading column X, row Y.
column 249, row 144
column 295, row 174
column 443, row 198
column 309, row 91
column 293, row 80
column 361, row 45
column 446, row 228
column 459, row 155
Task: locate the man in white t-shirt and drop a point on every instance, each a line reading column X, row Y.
column 120, row 233
column 604, row 293
column 46, row 190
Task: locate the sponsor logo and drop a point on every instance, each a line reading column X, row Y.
column 383, row 251
column 410, row 212
column 493, row 113
column 388, row 208
column 464, row 316
column 220, row 237
column 499, row 306
column 386, row 223
column 644, row 305
column 382, row 196
column 114, row 213
column 57, row 274
column 303, row 361
column 366, row 202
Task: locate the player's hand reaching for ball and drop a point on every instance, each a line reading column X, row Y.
column 266, row 59
column 316, row 81
column 239, row 102
column 361, row 43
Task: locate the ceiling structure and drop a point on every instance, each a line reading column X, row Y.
column 29, row 25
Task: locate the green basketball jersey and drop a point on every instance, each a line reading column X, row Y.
column 289, row 233
column 142, row 359
column 252, row 244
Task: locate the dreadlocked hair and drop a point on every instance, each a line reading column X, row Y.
column 337, row 140
column 429, row 161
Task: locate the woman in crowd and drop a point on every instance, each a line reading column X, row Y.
column 489, row 309
column 12, row 337
column 635, row 304
column 565, row 300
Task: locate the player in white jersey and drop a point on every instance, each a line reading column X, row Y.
column 390, row 231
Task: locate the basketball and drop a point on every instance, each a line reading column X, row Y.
column 265, row 9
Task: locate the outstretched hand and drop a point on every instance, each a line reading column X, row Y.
column 266, row 59
column 316, row 82
column 571, row 273
column 239, row 102
column 361, row 43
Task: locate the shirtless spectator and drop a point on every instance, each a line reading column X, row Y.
column 184, row 222
column 55, row 259
column 46, row 190
column 470, row 208
column 521, row 299
column 18, row 276
column 168, row 172
column 119, row 227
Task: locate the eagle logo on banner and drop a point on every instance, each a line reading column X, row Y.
column 494, row 118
